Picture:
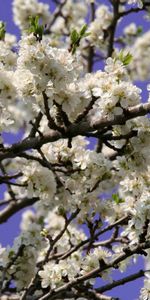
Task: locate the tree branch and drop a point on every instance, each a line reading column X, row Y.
column 16, row 206
column 82, row 128
column 129, row 252
column 122, row 281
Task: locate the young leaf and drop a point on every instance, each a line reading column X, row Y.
column 83, row 30
column 139, row 30
column 74, row 36
column 125, row 58
column 117, row 199
column 2, row 31
column 35, row 27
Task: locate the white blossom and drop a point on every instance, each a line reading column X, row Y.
column 99, row 26
column 139, row 66
column 138, row 2
column 40, row 181
column 23, row 9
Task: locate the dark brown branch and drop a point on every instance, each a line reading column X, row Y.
column 112, row 28
column 143, row 234
column 97, row 235
column 11, row 183
column 122, row 281
column 60, row 234
column 29, row 143
column 56, row 14
column 35, row 125
column 90, row 60
column 94, row 273
column 88, row 295
column 10, row 190
column 82, row 128
column 42, row 162
column 86, row 110
column 107, row 243
column 63, row 115
column 14, row 207
column 11, row 262
column 9, row 177
column 51, row 123
column 32, row 286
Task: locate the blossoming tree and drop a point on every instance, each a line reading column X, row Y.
column 50, row 91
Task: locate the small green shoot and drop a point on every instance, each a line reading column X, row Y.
column 139, row 30
column 76, row 38
column 35, row 27
column 2, row 31
column 125, row 58
column 117, row 199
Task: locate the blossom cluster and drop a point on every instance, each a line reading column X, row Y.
column 23, row 9
column 139, row 68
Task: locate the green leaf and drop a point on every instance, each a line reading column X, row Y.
column 86, row 34
column 11, row 253
column 34, row 21
column 139, row 30
column 74, row 48
column 83, row 30
column 2, row 30
column 35, row 27
column 125, row 58
column 117, row 199
column 74, row 36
